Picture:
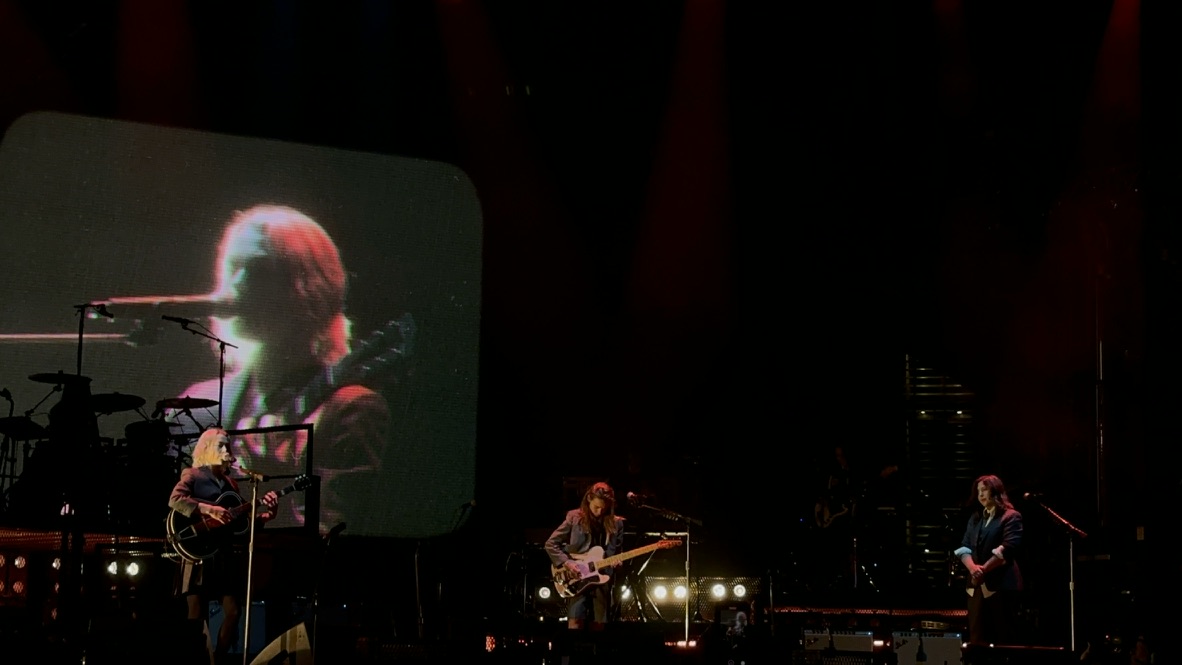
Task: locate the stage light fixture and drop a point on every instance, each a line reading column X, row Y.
column 660, row 592
column 113, row 568
column 680, row 592
column 544, row 593
column 19, row 562
column 57, row 563
column 625, row 592
column 133, row 569
column 718, row 590
column 739, row 591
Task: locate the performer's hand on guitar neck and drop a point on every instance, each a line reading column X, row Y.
column 270, row 501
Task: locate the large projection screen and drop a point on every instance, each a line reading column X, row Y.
column 346, row 286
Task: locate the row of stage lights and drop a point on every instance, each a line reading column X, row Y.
column 16, row 569
column 661, row 592
column 13, row 574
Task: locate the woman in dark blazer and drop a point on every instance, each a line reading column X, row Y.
column 593, row 524
column 990, row 550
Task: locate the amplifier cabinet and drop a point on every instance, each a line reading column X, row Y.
column 932, row 648
column 858, row 641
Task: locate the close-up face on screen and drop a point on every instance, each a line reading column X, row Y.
column 167, row 281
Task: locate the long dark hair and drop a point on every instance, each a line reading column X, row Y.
column 605, row 492
column 997, row 490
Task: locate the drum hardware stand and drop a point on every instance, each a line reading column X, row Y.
column 1072, row 532
column 7, row 456
column 670, row 515
column 72, row 536
column 222, row 344
column 100, row 308
column 638, row 590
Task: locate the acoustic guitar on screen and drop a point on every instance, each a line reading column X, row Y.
column 570, row 583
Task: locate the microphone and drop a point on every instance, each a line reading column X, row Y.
column 6, row 395
column 178, row 319
column 1033, row 495
column 101, row 308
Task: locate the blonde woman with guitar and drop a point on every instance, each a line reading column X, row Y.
column 201, row 495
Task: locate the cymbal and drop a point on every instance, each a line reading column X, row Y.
column 185, row 403
column 59, row 378
column 112, row 402
column 22, row 428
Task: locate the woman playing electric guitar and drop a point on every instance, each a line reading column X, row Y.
column 221, row 577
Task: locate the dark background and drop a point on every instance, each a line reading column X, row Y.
column 714, row 233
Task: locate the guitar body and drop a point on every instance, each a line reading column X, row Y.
column 570, row 583
column 197, row 537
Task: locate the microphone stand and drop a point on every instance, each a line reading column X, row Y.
column 254, row 504
column 670, row 515
column 255, row 479
column 1072, row 532
column 222, row 344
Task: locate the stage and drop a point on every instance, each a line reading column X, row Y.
column 124, row 612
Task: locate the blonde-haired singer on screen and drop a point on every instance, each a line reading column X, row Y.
column 280, row 295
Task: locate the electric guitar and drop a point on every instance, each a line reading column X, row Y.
column 570, row 583
column 196, row 537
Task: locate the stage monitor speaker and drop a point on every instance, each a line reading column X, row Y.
column 936, row 648
column 290, row 647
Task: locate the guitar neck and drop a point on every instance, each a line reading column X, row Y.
column 624, row 556
column 242, row 509
column 369, row 357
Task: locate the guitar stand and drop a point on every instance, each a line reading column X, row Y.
column 634, row 581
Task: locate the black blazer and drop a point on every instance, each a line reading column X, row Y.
column 198, row 485
column 983, row 538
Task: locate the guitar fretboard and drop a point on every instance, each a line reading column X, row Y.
column 624, row 556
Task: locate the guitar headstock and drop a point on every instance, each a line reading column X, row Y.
column 303, row 482
column 667, row 544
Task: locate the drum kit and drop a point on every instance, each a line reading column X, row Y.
column 137, row 471
column 69, row 469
